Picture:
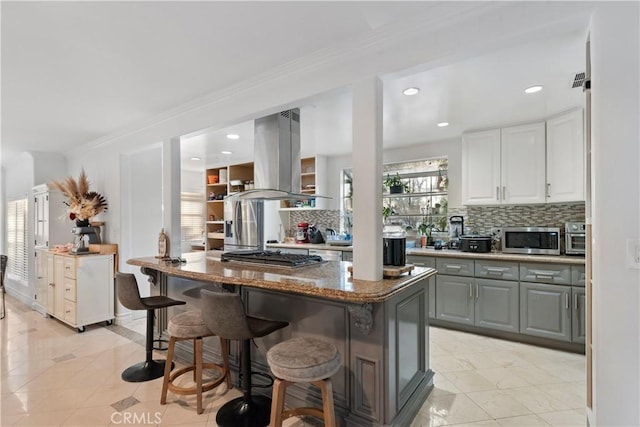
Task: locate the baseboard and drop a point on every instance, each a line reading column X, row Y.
column 25, row 299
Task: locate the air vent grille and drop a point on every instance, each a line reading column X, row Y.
column 578, row 80
column 285, row 114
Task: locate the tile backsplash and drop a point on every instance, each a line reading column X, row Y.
column 477, row 219
column 480, row 219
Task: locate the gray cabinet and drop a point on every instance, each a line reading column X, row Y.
column 578, row 275
column 558, row 274
column 454, row 266
column 422, row 261
column 501, row 270
column 545, row 310
column 578, row 315
column 497, row 304
column 454, row 299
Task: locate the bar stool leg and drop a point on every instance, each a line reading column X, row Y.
column 327, row 402
column 277, row 404
column 197, row 351
column 224, row 348
column 167, row 370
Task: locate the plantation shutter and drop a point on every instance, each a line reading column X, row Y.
column 192, row 216
column 17, row 245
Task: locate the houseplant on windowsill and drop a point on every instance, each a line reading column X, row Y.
column 83, row 204
column 395, row 184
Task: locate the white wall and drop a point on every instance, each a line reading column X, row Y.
column 449, row 148
column 615, row 60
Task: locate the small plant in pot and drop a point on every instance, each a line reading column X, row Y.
column 425, row 230
column 395, row 184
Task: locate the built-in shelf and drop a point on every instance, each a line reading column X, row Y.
column 300, row 209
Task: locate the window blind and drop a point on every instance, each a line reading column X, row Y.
column 192, row 216
column 17, row 245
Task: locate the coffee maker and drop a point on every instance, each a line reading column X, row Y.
column 456, row 229
column 85, row 236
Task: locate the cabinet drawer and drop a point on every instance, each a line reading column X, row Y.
column 456, row 267
column 69, row 268
column 422, row 261
column 578, row 276
column 69, row 289
column 70, row 311
column 501, row 270
column 556, row 274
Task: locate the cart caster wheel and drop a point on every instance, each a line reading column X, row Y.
column 109, row 322
column 81, row 329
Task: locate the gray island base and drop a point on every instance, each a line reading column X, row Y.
column 380, row 328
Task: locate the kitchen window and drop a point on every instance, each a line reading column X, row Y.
column 17, row 241
column 425, row 200
column 192, row 217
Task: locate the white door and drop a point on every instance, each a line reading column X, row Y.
column 523, row 164
column 481, row 168
column 565, row 158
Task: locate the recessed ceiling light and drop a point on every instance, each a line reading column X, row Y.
column 196, row 158
column 411, row 91
column 443, row 124
column 233, row 136
column 226, row 152
column 533, row 89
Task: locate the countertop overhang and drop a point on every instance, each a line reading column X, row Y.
column 330, row 280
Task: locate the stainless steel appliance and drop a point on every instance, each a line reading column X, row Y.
column 456, row 230
column 245, row 228
column 471, row 243
column 531, row 240
column 575, row 238
column 271, row 258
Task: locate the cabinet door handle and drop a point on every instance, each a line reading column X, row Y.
column 575, row 301
column 477, row 291
column 470, row 291
column 504, row 193
column 52, row 284
column 548, row 190
column 566, row 301
column 497, row 192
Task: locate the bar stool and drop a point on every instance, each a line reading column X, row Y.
column 190, row 326
column 129, row 296
column 224, row 315
column 308, row 360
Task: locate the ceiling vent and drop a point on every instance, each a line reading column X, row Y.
column 578, row 80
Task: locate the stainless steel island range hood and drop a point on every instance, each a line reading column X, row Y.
column 276, row 159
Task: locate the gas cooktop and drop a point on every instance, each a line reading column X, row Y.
column 271, row 258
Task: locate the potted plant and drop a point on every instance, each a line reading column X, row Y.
column 395, row 184
column 425, row 229
column 386, row 212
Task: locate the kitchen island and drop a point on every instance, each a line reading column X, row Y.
column 380, row 327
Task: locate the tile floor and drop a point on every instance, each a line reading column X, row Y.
column 52, row 376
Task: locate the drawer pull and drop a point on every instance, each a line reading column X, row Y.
column 543, row 276
column 52, row 284
column 453, row 267
column 495, row 270
column 67, row 289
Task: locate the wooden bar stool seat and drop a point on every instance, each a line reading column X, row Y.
column 303, row 359
column 190, row 326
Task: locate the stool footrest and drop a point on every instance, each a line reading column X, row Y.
column 193, row 390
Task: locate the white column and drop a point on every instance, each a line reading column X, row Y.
column 171, row 194
column 367, row 184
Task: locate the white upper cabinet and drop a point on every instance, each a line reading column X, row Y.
column 481, row 168
column 565, row 158
column 523, row 164
column 504, row 166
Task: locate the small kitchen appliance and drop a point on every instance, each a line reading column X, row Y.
column 302, row 235
column 474, row 243
column 575, row 238
column 315, row 235
column 456, row 230
column 531, row 240
column 85, row 236
column 394, row 244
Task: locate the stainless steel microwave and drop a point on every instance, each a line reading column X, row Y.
column 531, row 240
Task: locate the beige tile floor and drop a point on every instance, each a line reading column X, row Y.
column 52, row 376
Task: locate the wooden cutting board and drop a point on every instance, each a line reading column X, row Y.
column 391, row 271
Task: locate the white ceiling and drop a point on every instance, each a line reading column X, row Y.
column 74, row 72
